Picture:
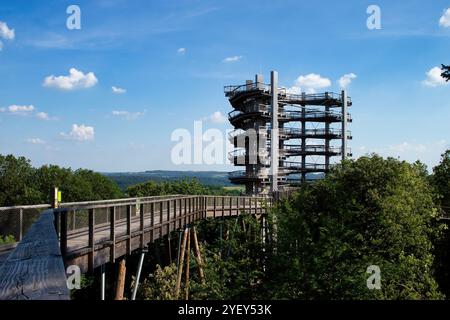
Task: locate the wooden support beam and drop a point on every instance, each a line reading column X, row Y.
column 188, row 259
column 181, row 263
column 198, row 256
column 120, row 286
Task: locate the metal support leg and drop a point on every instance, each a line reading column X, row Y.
column 102, row 278
column 138, row 274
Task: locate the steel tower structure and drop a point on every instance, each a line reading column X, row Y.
column 299, row 132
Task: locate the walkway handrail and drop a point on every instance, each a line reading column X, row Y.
column 35, row 269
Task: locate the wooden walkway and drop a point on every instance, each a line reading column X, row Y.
column 91, row 234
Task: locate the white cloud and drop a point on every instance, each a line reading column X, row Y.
column 216, row 117
column 18, row 110
column 444, row 21
column 181, row 50
column 5, row 33
column 127, row 115
column 118, row 90
column 45, row 116
column 434, row 78
column 232, row 59
column 345, row 80
column 75, row 80
column 309, row 83
column 80, row 133
column 35, row 141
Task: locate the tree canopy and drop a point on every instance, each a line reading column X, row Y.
column 370, row 211
column 21, row 183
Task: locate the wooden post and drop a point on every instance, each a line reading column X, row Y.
column 199, row 256
column 141, row 212
column 63, row 239
column 214, row 206
column 161, row 219
column 188, row 259
column 112, row 231
column 175, row 214
column 180, row 214
column 168, row 217
column 128, row 229
column 121, row 280
column 20, row 226
column 223, row 207
column 91, row 239
column 180, row 265
column 152, row 221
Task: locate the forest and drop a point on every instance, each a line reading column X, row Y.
column 316, row 244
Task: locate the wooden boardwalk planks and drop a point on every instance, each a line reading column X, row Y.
column 35, row 269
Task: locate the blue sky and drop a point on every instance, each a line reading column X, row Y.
column 137, row 46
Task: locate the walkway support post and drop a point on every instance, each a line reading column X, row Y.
column 120, row 280
column 138, row 274
column 199, row 256
column 180, row 265
column 188, row 259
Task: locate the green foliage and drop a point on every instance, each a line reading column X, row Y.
column 232, row 263
column 16, row 181
column 161, row 284
column 445, row 72
column 7, row 239
column 441, row 179
column 184, row 186
column 365, row 212
column 22, row 184
column 441, row 182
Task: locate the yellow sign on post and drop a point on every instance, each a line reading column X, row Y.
column 59, row 196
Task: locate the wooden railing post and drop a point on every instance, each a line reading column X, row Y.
column 152, row 220
column 112, row 231
column 180, row 214
column 214, row 206
column 161, row 219
column 63, row 235
column 91, row 214
column 223, row 206
column 142, row 224
column 168, row 217
column 20, row 226
column 185, row 212
column 128, row 229
column 175, row 214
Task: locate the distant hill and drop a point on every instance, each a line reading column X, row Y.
column 125, row 179
column 211, row 178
